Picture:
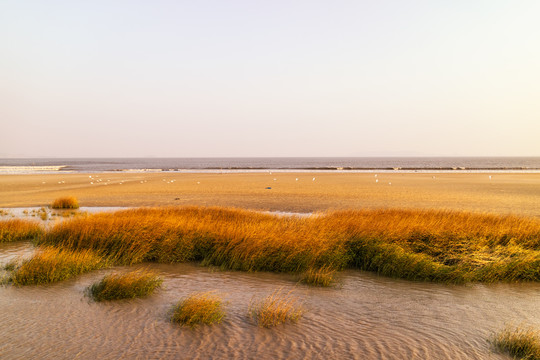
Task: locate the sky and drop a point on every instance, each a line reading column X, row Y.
column 212, row 78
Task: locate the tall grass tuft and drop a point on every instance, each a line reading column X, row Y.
column 17, row 229
column 199, row 308
column 443, row 246
column 519, row 342
column 50, row 265
column 324, row 276
column 276, row 309
column 133, row 284
column 68, row 202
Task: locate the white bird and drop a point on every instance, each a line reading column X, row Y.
column 376, row 180
column 275, row 179
column 313, row 179
column 375, row 175
column 489, row 177
column 389, row 183
column 296, row 179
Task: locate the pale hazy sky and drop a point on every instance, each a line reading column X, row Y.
column 269, row 78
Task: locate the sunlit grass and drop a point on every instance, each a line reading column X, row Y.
column 17, row 229
column 199, row 308
column 422, row 245
column 69, row 202
column 522, row 343
column 133, row 284
column 51, row 265
column 276, row 309
column 324, row 276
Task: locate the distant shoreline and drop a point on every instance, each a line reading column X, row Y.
column 276, row 164
column 29, row 170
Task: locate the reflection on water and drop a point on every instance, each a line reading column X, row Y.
column 50, row 216
column 366, row 317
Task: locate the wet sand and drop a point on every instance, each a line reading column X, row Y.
column 503, row 193
column 365, row 317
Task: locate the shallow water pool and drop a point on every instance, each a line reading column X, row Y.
column 364, row 317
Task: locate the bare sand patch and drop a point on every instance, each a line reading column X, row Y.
column 296, row 192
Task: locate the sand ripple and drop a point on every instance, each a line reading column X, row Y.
column 367, row 317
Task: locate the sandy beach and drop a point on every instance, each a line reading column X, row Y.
column 296, row 192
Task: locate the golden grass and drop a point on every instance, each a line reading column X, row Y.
column 523, row 343
column 68, row 202
column 412, row 244
column 199, row 308
column 276, row 309
column 17, row 229
column 50, row 265
column 324, row 276
column 137, row 283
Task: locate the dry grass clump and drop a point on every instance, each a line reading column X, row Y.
column 421, row 245
column 324, row 276
column 17, row 229
column 68, row 202
column 137, row 283
column 50, row 265
column 519, row 342
column 276, row 309
column 199, row 308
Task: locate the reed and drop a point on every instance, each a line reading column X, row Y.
column 276, row 309
column 420, row 245
column 68, row 202
column 51, row 265
column 324, row 276
column 199, row 308
column 133, row 284
column 523, row 343
column 17, row 229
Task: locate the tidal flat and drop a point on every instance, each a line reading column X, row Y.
column 362, row 315
column 365, row 317
column 305, row 192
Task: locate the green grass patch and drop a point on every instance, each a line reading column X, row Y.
column 50, row 265
column 68, row 202
column 128, row 285
column 17, row 230
column 276, row 309
column 522, row 343
column 199, row 308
